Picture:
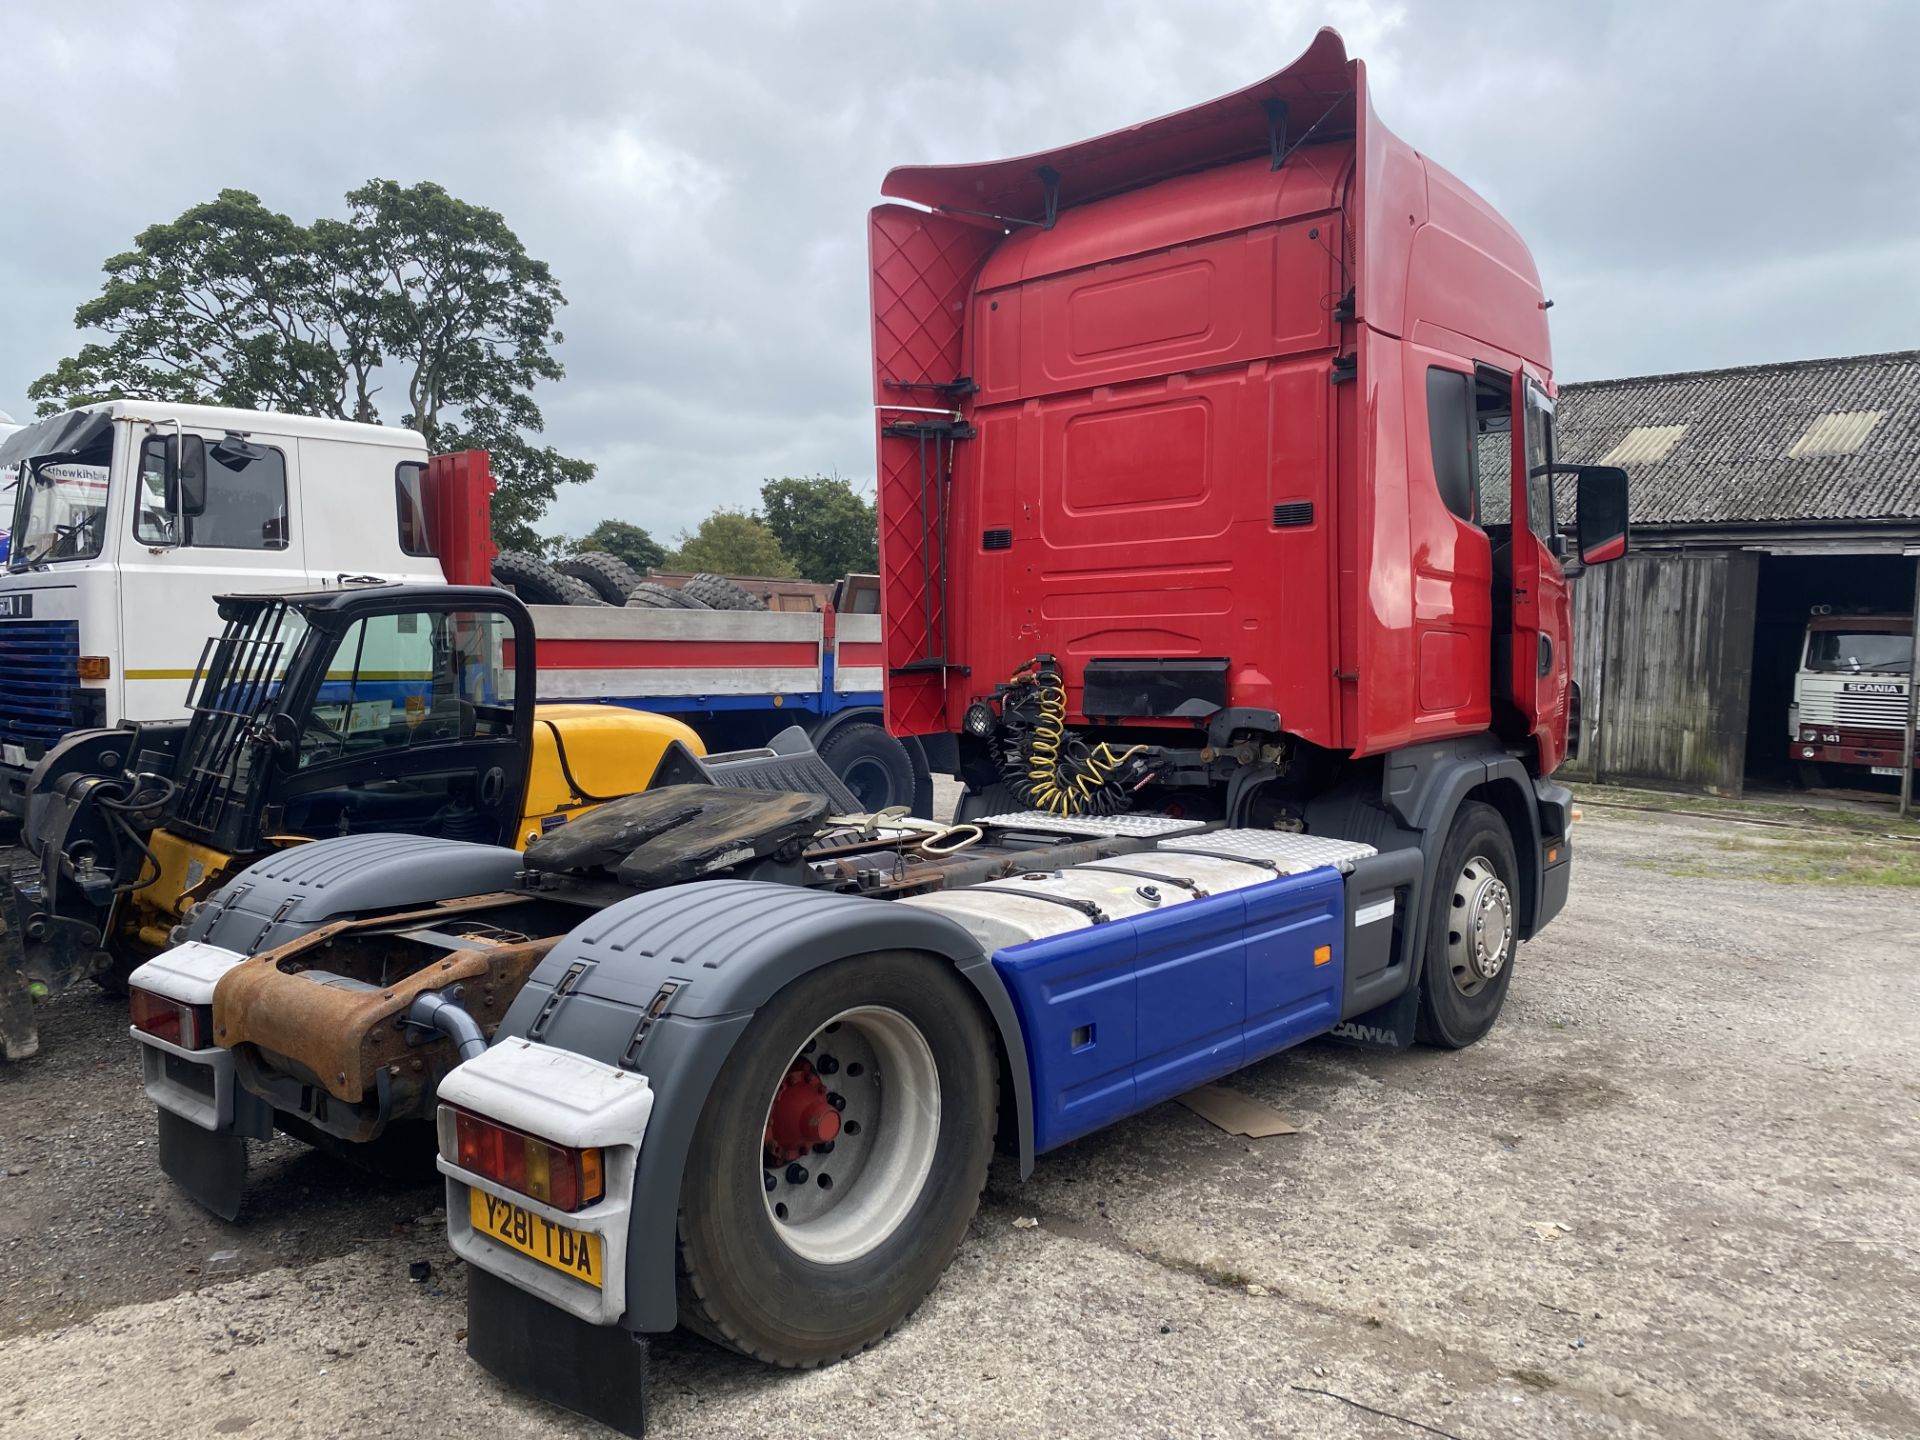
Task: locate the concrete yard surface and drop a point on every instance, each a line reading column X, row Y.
column 1676, row 1192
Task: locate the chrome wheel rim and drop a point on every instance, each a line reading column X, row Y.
column 1480, row 931
column 849, row 1136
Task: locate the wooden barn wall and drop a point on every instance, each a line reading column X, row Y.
column 1663, row 653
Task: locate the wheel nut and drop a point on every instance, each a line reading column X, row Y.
column 767, row 1175
column 826, row 1065
column 825, row 1147
column 836, row 1100
column 796, row 1174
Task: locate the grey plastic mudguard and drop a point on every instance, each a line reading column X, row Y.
column 1420, row 791
column 297, row 891
column 728, row 946
column 1424, row 785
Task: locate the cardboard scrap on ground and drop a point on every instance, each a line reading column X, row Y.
column 1236, row 1114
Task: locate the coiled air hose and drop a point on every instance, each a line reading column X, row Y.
column 1043, row 764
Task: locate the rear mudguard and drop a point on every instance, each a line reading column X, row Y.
column 297, row 891
column 280, row 900
column 665, row 983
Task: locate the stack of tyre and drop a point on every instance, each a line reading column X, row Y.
column 596, row 578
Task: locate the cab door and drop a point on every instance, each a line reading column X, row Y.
column 241, row 541
column 1542, row 656
column 412, row 721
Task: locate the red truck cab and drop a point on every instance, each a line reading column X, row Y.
column 1236, row 429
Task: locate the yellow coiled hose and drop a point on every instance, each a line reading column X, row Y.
column 1057, row 782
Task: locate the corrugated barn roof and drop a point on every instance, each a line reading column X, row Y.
column 1808, row 440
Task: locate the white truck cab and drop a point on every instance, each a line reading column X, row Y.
column 1850, row 696
column 128, row 517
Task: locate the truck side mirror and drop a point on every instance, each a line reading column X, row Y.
column 1600, row 511
column 186, row 475
column 1600, row 514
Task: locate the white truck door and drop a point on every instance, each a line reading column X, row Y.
column 246, row 540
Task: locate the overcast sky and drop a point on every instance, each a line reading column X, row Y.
column 1702, row 184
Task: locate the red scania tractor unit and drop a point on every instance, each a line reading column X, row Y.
column 1217, row 480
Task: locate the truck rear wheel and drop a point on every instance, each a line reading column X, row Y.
column 1473, row 933
column 872, row 764
column 838, row 1160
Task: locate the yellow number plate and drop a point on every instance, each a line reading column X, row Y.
column 574, row 1252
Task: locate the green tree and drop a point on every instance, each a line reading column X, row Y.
column 235, row 304
column 823, row 525
column 621, row 538
column 731, row 542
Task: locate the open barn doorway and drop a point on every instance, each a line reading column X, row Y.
column 1789, row 589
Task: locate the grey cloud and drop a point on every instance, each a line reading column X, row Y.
column 1701, row 184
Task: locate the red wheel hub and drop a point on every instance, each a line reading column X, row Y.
column 801, row 1116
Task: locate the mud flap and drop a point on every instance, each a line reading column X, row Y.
column 19, row 1035
column 210, row 1165
column 1385, row 1027
column 599, row 1371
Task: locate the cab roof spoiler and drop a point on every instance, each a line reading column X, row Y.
column 1315, row 97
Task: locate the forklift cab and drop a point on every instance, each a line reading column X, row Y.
column 398, row 708
column 394, row 708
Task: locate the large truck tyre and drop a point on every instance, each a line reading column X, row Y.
column 578, row 592
column 872, row 764
column 716, row 592
column 608, row 576
column 1473, row 931
column 650, row 595
column 530, row 577
column 838, row 1160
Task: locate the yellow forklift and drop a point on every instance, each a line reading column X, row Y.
column 405, row 709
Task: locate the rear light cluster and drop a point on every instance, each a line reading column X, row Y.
column 557, row 1175
column 188, row 1026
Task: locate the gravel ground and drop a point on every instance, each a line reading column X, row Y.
column 1676, row 1192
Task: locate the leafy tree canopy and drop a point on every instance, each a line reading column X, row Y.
column 414, row 291
column 732, row 542
column 823, row 525
column 620, row 538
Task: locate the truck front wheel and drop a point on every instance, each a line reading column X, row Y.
column 838, row 1160
column 1474, row 930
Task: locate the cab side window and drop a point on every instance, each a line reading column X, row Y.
column 1450, row 432
column 1493, row 449
column 409, row 482
column 246, row 500
column 412, row 679
column 1540, row 517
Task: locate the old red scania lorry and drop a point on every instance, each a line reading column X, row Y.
column 1221, row 557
